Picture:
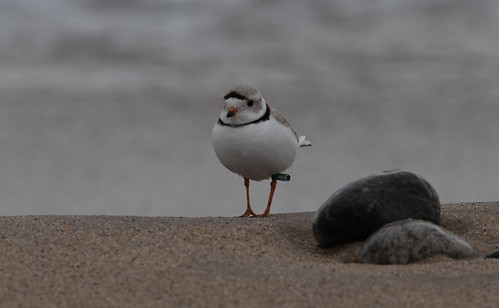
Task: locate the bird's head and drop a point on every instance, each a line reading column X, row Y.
column 243, row 104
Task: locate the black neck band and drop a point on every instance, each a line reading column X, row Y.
column 264, row 117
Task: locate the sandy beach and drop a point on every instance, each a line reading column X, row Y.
column 118, row 261
column 107, row 109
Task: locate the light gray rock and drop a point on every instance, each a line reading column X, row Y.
column 411, row 240
column 357, row 210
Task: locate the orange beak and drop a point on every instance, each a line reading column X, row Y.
column 232, row 112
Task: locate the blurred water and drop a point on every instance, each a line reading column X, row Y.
column 107, row 106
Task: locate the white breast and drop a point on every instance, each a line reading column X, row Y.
column 255, row 151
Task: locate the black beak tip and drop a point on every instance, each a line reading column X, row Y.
column 230, row 114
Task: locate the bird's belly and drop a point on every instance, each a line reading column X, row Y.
column 255, row 151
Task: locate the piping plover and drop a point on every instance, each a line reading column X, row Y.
column 254, row 140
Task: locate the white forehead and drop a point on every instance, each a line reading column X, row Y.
column 232, row 101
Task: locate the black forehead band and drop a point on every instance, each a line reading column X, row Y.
column 234, row 95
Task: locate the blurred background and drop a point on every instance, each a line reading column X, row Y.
column 107, row 106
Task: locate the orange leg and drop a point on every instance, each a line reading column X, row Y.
column 249, row 211
column 273, row 184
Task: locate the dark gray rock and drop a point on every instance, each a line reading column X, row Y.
column 357, row 210
column 411, row 240
column 492, row 254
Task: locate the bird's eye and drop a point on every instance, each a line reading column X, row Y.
column 250, row 103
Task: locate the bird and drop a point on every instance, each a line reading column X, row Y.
column 254, row 140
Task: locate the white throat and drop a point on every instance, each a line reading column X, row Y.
column 245, row 114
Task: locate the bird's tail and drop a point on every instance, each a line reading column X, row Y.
column 302, row 142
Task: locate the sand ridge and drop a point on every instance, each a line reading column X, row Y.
column 221, row 261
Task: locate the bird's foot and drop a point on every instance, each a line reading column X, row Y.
column 265, row 214
column 249, row 213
